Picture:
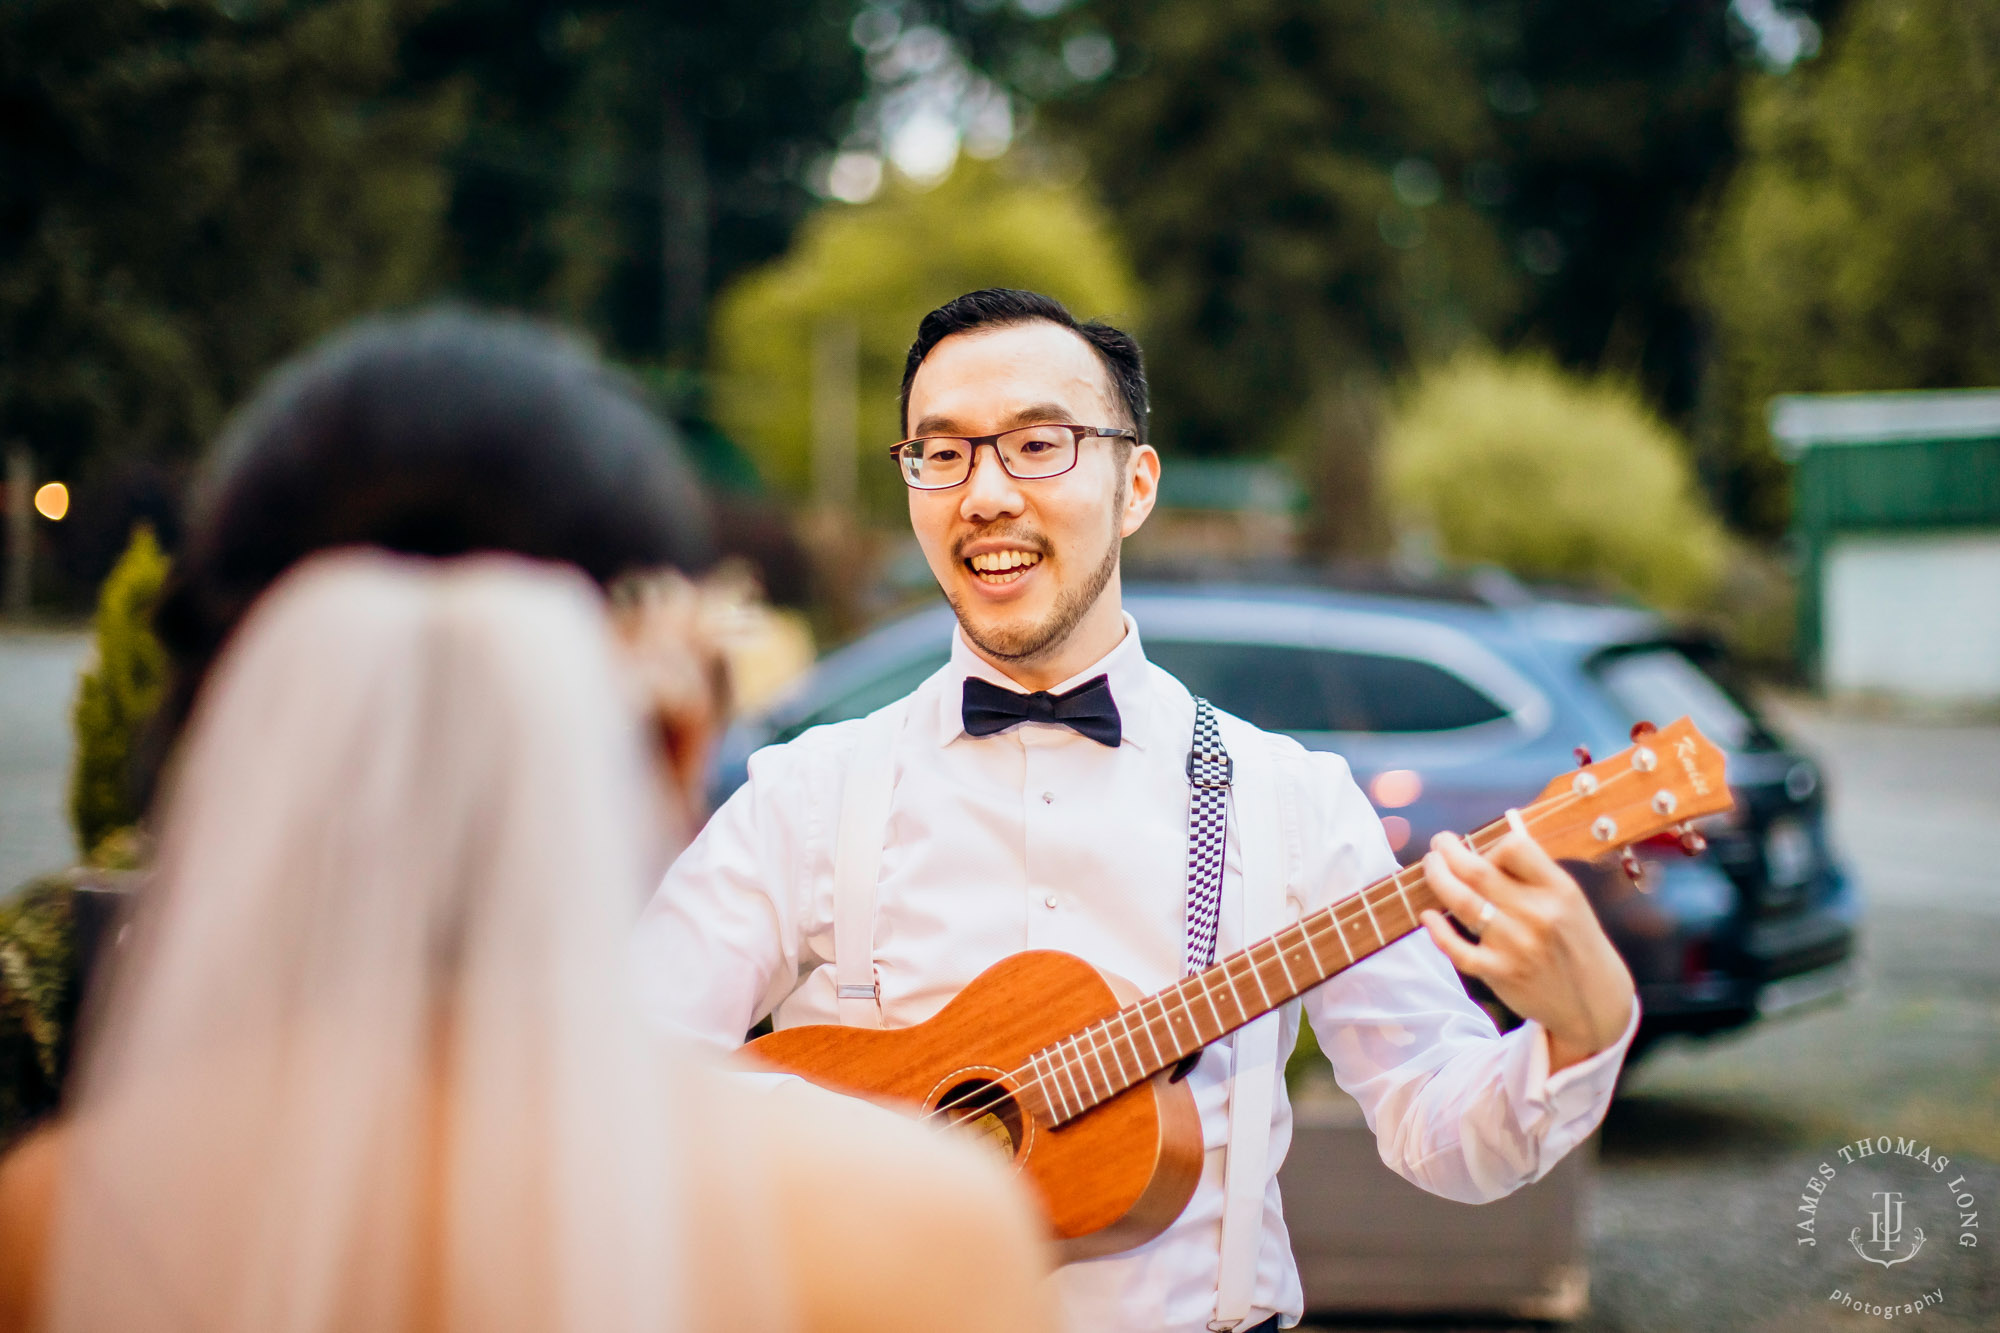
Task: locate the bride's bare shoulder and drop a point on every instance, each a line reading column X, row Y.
column 892, row 1225
column 29, row 1173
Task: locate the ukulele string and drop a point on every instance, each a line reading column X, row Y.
column 1348, row 911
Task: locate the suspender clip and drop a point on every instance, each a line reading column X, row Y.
column 1210, row 768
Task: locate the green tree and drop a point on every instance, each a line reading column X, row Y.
column 1855, row 247
column 623, row 161
column 1283, row 174
column 882, row 266
column 194, row 189
column 1519, row 463
column 118, row 694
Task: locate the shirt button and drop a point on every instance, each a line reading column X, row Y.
column 1049, row 901
column 1048, row 798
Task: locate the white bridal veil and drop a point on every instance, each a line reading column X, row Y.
column 366, row 1062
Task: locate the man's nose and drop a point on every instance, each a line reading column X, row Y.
column 989, row 492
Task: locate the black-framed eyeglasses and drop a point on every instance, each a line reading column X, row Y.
column 1028, row 453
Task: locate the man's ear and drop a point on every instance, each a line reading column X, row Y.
column 1142, row 488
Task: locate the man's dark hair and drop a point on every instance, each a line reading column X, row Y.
column 1003, row 307
column 440, row 434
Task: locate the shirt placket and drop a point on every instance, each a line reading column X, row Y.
column 1045, row 886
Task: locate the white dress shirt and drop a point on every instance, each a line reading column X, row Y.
column 1038, row 838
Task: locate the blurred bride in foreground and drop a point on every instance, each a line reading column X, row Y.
column 366, row 1062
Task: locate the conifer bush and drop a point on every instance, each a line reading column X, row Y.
column 118, row 693
column 1516, row 462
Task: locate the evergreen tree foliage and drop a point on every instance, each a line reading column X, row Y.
column 623, row 161
column 1519, row 463
column 1318, row 193
column 883, row 266
column 118, row 694
column 1282, row 172
column 1855, row 247
column 193, row 190
column 39, row 991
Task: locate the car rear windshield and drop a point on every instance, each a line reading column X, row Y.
column 1284, row 688
column 1659, row 683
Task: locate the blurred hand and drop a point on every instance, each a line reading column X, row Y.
column 665, row 624
column 1541, row 952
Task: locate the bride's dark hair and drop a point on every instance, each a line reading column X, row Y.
column 440, row 434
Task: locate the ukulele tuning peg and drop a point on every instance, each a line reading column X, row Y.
column 1641, row 730
column 1692, row 843
column 1628, row 861
column 1582, row 753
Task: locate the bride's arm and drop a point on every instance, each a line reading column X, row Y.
column 28, row 1176
column 885, row 1225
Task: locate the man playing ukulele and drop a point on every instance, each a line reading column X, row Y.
column 1041, row 800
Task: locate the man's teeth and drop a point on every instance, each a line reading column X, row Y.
column 1000, row 562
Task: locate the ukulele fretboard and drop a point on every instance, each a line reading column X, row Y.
column 1158, row 1032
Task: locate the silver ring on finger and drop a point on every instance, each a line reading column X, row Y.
column 1487, row 911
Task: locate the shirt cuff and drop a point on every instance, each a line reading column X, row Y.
column 1583, row 1087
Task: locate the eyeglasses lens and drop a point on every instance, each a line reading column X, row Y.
column 1027, row 453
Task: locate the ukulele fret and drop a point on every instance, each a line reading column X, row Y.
column 1091, row 1052
column 1068, row 1076
column 1333, row 914
column 1147, row 1028
column 1369, row 908
column 1291, row 984
column 1045, row 1079
column 1235, row 986
column 1206, row 994
column 1117, row 1049
column 1402, row 893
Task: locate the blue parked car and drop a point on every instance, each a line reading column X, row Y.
column 1453, row 703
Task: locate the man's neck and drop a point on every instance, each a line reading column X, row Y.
column 1090, row 640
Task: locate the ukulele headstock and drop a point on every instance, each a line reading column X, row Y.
column 1668, row 777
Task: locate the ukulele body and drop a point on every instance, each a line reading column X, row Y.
column 1112, row 1178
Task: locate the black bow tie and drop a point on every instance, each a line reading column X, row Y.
column 1087, row 710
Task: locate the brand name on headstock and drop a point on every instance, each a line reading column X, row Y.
column 1684, row 751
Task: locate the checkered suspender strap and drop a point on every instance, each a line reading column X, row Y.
column 1209, row 773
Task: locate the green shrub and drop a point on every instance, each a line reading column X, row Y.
column 38, row 993
column 118, row 694
column 1515, row 462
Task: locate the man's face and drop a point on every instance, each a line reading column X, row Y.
column 1023, row 562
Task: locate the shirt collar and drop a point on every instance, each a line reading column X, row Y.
column 1126, row 665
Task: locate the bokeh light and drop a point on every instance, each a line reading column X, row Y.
column 1397, row 830
column 1396, row 788
column 52, row 501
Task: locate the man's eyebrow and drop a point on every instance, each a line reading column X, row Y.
column 1035, row 414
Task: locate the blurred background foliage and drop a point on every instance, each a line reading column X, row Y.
column 1855, row 247
column 118, row 694
column 1299, row 203
column 1515, row 462
column 879, row 268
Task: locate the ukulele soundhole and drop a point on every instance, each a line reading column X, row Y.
column 985, row 1109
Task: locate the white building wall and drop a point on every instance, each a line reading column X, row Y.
column 1916, row 617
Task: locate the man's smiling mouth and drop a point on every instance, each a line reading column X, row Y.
column 996, row 568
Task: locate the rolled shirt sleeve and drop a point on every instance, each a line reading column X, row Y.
column 1456, row 1107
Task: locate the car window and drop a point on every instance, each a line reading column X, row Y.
column 866, row 698
column 1661, row 684
column 1281, row 687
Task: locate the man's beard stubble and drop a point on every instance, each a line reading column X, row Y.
column 1032, row 641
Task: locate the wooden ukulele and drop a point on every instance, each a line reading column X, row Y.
column 1070, row 1072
